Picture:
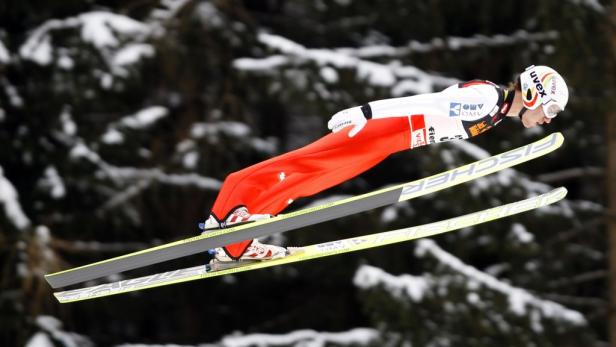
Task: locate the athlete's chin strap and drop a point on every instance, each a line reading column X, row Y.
column 522, row 111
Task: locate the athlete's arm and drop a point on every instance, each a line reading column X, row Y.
column 442, row 104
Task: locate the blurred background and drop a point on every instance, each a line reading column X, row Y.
column 119, row 120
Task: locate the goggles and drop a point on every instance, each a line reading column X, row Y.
column 551, row 109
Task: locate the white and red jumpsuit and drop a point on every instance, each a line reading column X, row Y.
column 458, row 112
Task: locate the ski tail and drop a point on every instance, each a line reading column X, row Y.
column 321, row 250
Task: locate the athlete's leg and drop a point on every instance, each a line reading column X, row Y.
column 269, row 186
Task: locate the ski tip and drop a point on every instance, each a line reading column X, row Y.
column 560, row 193
column 560, row 139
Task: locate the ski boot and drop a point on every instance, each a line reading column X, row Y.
column 237, row 217
column 257, row 251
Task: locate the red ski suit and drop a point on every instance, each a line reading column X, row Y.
column 270, row 186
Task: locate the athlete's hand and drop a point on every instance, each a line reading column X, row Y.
column 349, row 117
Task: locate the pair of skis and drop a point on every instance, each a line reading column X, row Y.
column 310, row 216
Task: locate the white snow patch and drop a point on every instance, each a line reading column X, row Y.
column 166, row 10
column 306, row 338
column 519, row 299
column 140, row 120
column 5, row 56
column 236, row 129
column 14, row 98
column 65, row 62
column 145, row 117
column 389, row 215
column 521, row 234
column 106, row 80
column 588, row 205
column 190, row 160
column 100, row 28
column 53, row 327
column 209, row 15
column 10, row 202
column 413, row 287
column 269, row 63
column 53, row 183
column 68, row 125
column 112, row 137
column 39, row 52
column 132, row 54
column 40, row 340
column 80, row 150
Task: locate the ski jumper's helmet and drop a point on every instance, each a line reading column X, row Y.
column 542, row 85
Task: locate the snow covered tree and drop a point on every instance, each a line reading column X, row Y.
column 121, row 119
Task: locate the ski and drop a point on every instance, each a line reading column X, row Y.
column 315, row 251
column 307, row 216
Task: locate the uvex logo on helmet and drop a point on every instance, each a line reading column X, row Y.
column 542, row 85
column 538, row 84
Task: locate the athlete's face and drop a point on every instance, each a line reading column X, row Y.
column 532, row 118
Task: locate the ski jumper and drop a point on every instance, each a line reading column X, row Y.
column 458, row 112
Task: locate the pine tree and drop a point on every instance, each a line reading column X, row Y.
column 120, row 120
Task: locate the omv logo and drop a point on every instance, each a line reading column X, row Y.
column 454, row 109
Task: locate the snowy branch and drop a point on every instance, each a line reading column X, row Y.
column 14, row 98
column 140, row 120
column 53, row 183
column 97, row 28
column 123, row 174
column 519, row 299
column 413, row 287
column 10, row 202
column 5, row 56
column 401, row 79
column 299, row 338
column 119, row 38
column 212, row 131
column 51, row 330
column 166, row 11
column 567, row 174
column 359, row 336
column 450, row 43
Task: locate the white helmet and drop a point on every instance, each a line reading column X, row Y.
column 542, row 85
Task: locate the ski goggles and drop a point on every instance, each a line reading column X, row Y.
column 551, row 109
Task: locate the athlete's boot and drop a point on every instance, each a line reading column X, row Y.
column 256, row 250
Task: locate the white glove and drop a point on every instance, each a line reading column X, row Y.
column 349, row 117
